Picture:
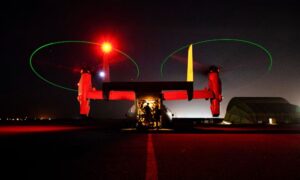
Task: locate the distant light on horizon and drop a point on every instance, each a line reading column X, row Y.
column 190, row 109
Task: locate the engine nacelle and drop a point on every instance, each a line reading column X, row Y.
column 84, row 87
column 215, row 86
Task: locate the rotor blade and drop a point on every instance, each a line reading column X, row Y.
column 198, row 67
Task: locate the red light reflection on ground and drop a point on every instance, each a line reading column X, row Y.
column 14, row 130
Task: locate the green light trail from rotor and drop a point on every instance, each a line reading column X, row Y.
column 66, row 42
column 221, row 40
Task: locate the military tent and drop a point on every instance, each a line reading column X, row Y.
column 261, row 110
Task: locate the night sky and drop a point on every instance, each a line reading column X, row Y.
column 148, row 31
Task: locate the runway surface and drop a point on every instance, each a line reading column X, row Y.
column 73, row 152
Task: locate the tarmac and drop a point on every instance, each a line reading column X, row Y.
column 60, row 151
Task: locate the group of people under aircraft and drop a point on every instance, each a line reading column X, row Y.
column 151, row 114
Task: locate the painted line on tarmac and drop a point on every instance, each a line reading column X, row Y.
column 151, row 166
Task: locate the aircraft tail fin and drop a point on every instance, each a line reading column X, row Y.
column 190, row 69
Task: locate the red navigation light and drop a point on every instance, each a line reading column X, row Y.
column 106, row 47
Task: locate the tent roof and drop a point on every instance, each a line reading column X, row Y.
column 262, row 104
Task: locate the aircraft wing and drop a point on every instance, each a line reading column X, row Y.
column 182, row 95
column 128, row 89
column 113, row 95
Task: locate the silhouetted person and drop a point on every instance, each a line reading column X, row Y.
column 157, row 114
column 147, row 111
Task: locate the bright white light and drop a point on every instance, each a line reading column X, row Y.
column 101, row 74
column 169, row 114
column 225, row 122
column 272, row 121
